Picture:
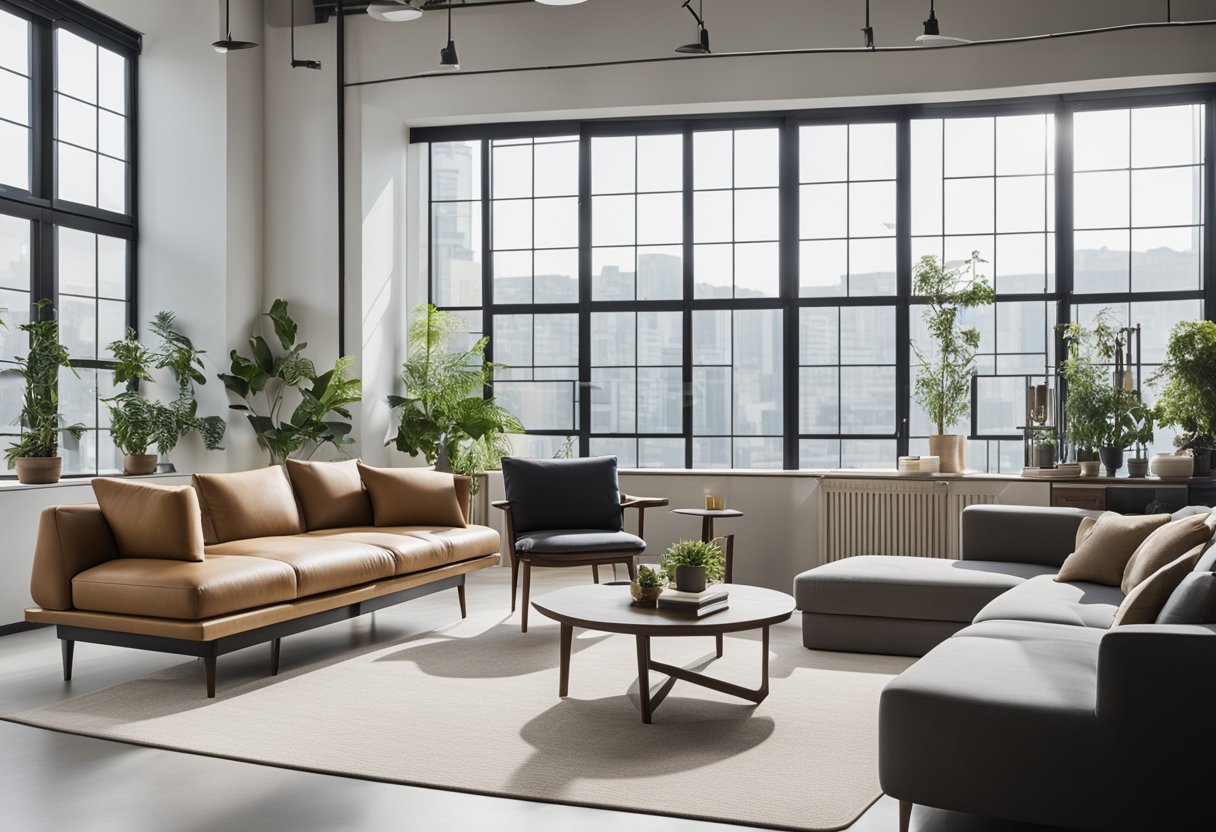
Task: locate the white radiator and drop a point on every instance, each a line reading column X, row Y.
column 883, row 517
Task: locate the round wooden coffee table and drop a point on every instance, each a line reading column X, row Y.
column 608, row 609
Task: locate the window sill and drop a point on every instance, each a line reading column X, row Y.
column 77, row 482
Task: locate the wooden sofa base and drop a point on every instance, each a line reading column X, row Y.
column 209, row 650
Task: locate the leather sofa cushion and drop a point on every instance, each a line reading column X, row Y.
column 174, row 589
column 547, row 494
column 247, row 504
column 320, row 565
column 1103, row 553
column 578, row 541
column 330, row 494
column 1165, row 545
column 412, row 496
column 1079, row 603
column 1144, row 603
column 892, row 586
column 152, row 521
column 415, row 549
column 71, row 539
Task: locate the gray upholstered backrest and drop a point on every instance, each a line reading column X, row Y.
column 1020, row 534
column 547, row 494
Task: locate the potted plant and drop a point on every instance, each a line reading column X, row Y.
column 135, row 422
column 693, row 564
column 943, row 379
column 445, row 416
column 647, row 587
column 35, row 454
column 1141, row 423
column 1046, row 452
column 1187, row 399
column 177, row 354
column 1119, row 429
column 1089, row 403
column 265, row 382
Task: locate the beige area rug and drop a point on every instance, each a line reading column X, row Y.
column 474, row 707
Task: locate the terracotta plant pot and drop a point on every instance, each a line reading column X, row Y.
column 38, row 470
column 690, row 578
column 139, row 464
column 951, row 448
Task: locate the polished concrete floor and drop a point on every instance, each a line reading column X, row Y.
column 52, row 781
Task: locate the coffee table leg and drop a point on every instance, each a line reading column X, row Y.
column 567, row 638
column 644, row 677
column 718, row 644
column 763, row 664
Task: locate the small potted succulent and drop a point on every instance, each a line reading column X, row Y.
column 1047, row 452
column 694, row 564
column 647, row 586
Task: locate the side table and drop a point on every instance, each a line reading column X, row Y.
column 707, row 530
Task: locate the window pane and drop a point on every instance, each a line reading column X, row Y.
column 713, row 217
column 969, row 146
column 713, row 271
column 1101, row 261
column 872, row 209
column 77, row 262
column 824, row 211
column 757, row 270
column 660, row 219
column 756, row 215
column 757, row 370
column 512, row 171
column 556, row 169
column 14, row 42
column 1168, row 196
column 14, row 254
column 756, row 158
column 612, row 165
column 112, row 134
column 872, row 151
column 14, row 97
column 612, row 273
column 77, row 180
column 455, row 171
column 556, row 278
column 824, row 269
column 660, row 163
column 111, row 80
column 14, row 155
column 112, row 185
column 867, row 400
column 78, row 326
column 712, row 155
column 1021, row 144
column 612, row 220
column 818, row 400
column 824, row 153
column 556, row 222
column 76, row 70
column 660, row 273
column 456, row 252
column 77, row 122
column 1101, row 140
column 1167, row 136
column 1166, row 259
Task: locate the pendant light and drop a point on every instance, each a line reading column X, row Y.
column 228, row 44
column 448, row 61
column 393, row 11
column 933, row 35
column 299, row 63
column 868, row 30
column 560, row 2
column 701, row 47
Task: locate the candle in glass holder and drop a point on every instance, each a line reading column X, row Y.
column 714, row 503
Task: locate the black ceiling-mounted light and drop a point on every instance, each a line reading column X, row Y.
column 868, row 30
column 393, row 11
column 228, row 44
column 299, row 63
column 933, row 35
column 448, row 61
column 701, row 47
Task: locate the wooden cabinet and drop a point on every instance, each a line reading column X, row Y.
column 1091, row 497
column 1124, row 497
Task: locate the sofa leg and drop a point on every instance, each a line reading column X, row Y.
column 595, row 572
column 464, row 608
column 209, row 673
column 275, row 646
column 905, row 815
column 527, row 589
column 67, row 647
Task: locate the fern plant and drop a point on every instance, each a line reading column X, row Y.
column 943, row 379
column 444, row 415
column 266, row 383
column 40, row 420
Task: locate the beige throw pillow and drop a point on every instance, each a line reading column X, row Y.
column 1083, row 530
column 331, row 494
column 247, row 504
column 412, row 497
column 1165, row 545
column 1103, row 553
column 1144, row 603
column 152, row 521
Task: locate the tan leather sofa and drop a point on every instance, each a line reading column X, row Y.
column 277, row 556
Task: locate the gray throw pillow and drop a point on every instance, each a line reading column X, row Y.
column 1193, row 602
column 551, row 494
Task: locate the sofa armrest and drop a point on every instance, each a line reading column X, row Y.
column 1020, row 534
column 1152, row 674
column 508, row 524
column 71, row 539
column 641, row 504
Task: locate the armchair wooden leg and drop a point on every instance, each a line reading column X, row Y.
column 527, row 588
column 630, row 566
column 595, row 572
column 905, row 816
column 514, row 580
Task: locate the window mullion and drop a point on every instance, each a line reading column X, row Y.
column 903, row 282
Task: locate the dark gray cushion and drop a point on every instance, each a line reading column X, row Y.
column 1207, row 561
column 893, row 586
column 579, row 541
column 1193, row 602
column 871, row 634
column 1020, row 534
column 548, row 494
column 1077, row 603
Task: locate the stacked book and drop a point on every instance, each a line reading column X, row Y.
column 699, row 604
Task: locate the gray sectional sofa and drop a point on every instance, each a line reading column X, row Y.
column 1026, row 705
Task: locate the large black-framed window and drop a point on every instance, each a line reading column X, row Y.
column 68, row 213
column 743, row 296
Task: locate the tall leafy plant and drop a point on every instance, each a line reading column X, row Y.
column 137, row 423
column 444, row 415
column 184, row 361
column 943, row 379
column 1097, row 414
column 40, row 420
column 1187, row 398
column 268, row 382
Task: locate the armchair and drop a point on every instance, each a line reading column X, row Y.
column 567, row 512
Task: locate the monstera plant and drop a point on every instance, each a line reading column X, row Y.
column 292, row 408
